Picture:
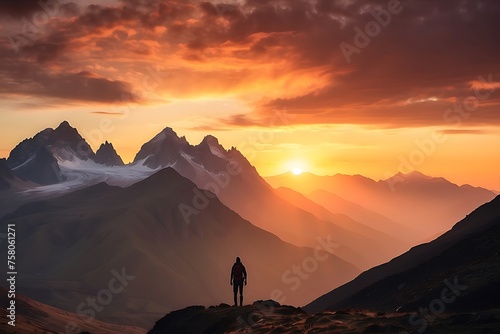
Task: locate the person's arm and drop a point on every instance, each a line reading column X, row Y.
column 245, row 273
column 231, row 279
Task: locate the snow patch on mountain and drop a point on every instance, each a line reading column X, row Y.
column 199, row 168
column 79, row 173
column 31, row 157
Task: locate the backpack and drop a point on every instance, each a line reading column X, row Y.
column 238, row 271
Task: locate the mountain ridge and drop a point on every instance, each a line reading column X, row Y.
column 484, row 218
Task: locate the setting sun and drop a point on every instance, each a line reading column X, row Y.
column 297, row 171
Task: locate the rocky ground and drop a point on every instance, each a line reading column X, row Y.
column 270, row 317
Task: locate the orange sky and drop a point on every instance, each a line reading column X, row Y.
column 267, row 77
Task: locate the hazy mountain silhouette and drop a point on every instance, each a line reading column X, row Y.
column 376, row 246
column 427, row 205
column 69, row 246
column 467, row 255
column 107, row 155
column 335, row 203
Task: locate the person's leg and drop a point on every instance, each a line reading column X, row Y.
column 241, row 294
column 235, row 291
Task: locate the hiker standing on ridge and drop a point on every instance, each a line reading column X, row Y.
column 238, row 276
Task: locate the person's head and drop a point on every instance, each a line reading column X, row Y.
column 238, row 260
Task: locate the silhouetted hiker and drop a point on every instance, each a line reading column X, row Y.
column 238, row 276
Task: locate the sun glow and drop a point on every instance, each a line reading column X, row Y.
column 296, row 166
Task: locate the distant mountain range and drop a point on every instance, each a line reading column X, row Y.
column 428, row 206
column 363, row 238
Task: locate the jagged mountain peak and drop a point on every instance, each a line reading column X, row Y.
column 162, row 150
column 416, row 178
column 65, row 124
column 107, row 155
column 169, row 130
column 168, row 135
column 213, row 145
column 414, row 175
column 106, row 144
column 210, row 139
column 65, row 132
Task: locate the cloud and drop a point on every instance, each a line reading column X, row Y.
column 37, row 11
column 426, row 50
column 271, row 54
column 468, row 132
column 107, row 113
column 20, row 8
column 32, row 80
column 240, row 120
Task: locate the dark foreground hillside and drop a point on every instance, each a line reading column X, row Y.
column 270, row 317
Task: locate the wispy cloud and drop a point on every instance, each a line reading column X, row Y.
column 469, row 131
column 107, row 113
